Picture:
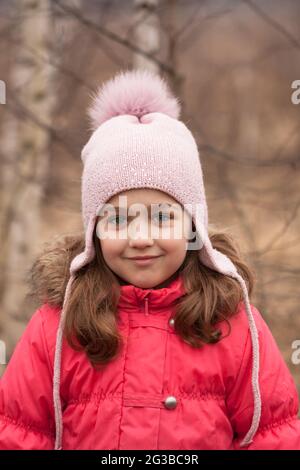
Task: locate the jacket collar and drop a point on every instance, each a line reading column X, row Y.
column 147, row 300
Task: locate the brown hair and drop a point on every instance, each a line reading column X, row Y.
column 91, row 313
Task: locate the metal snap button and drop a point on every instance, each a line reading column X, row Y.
column 170, row 402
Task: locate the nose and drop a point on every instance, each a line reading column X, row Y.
column 139, row 234
column 140, row 242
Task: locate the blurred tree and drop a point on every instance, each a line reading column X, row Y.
column 24, row 169
column 146, row 33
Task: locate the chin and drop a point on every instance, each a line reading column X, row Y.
column 148, row 283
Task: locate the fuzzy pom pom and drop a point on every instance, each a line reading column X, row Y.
column 136, row 92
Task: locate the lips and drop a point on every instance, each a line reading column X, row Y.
column 144, row 261
column 144, row 257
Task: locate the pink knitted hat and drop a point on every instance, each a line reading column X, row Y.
column 139, row 142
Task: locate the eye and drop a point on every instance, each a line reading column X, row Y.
column 163, row 216
column 113, row 218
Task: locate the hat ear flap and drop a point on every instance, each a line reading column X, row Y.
column 89, row 251
column 84, row 153
column 212, row 258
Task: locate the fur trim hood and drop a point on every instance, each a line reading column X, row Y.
column 50, row 271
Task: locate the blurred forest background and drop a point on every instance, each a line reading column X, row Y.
column 230, row 62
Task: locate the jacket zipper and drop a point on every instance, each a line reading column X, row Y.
column 146, row 306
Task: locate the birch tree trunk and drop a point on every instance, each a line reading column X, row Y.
column 25, row 151
column 146, row 33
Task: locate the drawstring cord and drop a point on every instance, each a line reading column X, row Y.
column 255, row 366
column 57, row 370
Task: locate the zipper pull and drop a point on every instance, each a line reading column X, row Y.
column 146, row 306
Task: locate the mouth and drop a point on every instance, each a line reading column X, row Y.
column 144, row 260
column 144, row 257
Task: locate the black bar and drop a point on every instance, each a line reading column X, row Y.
column 135, row 458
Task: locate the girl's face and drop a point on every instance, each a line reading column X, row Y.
column 143, row 222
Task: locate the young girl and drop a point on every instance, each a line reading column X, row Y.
column 164, row 352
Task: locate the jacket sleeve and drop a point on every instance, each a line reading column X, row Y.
column 279, row 427
column 26, row 410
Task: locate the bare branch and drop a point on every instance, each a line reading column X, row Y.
column 274, row 24
column 249, row 161
column 282, row 232
column 112, row 36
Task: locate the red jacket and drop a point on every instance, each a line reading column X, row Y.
column 159, row 394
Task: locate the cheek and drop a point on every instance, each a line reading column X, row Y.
column 174, row 247
column 178, row 230
column 111, row 248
